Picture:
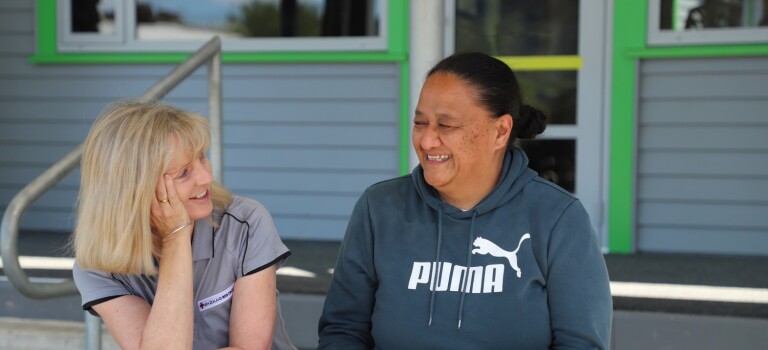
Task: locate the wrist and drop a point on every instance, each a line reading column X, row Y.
column 177, row 232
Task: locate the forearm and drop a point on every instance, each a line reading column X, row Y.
column 171, row 320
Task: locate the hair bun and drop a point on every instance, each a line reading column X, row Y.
column 531, row 122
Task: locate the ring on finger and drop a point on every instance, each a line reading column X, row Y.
column 164, row 200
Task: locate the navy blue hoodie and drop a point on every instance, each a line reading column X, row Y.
column 521, row 270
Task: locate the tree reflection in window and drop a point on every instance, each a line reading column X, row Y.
column 710, row 14
column 262, row 18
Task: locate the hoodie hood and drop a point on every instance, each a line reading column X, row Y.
column 515, row 174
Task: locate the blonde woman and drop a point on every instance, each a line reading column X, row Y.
column 167, row 257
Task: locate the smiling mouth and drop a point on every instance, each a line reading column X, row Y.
column 201, row 195
column 438, row 158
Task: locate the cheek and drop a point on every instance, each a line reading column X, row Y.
column 182, row 190
column 468, row 143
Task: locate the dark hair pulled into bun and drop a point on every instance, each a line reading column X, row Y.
column 498, row 91
column 529, row 123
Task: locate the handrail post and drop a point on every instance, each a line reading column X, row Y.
column 209, row 53
column 215, row 115
column 92, row 332
column 9, row 228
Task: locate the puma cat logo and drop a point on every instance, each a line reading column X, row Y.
column 485, row 246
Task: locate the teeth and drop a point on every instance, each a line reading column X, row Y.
column 200, row 196
column 438, row 158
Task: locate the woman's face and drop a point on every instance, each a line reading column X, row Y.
column 192, row 178
column 460, row 146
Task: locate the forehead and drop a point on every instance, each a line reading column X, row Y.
column 449, row 84
column 179, row 154
column 447, row 92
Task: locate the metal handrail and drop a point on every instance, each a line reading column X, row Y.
column 210, row 53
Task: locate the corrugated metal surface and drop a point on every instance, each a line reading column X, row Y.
column 304, row 139
column 703, row 156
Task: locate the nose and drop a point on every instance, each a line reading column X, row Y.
column 204, row 174
column 428, row 137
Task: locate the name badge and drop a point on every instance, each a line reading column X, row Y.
column 217, row 299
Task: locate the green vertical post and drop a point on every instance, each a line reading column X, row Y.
column 630, row 18
column 46, row 32
column 676, row 25
column 399, row 39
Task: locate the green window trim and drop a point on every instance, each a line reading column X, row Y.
column 47, row 53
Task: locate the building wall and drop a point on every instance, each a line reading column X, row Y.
column 702, row 155
column 304, row 139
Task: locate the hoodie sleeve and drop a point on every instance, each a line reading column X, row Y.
column 580, row 304
column 346, row 319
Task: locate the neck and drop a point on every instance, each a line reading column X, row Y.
column 468, row 197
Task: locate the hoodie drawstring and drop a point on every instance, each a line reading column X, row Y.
column 469, row 264
column 436, row 282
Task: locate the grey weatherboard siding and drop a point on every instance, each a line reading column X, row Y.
column 702, row 179
column 303, row 139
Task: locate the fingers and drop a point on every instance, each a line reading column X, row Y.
column 161, row 195
column 170, row 190
column 167, row 210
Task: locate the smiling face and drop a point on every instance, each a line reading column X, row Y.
column 460, row 145
column 192, row 178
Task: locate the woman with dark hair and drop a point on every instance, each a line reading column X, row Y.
column 472, row 250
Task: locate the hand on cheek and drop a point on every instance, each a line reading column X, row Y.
column 167, row 210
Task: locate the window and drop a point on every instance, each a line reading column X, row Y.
column 243, row 25
column 517, row 28
column 539, row 30
column 674, row 22
column 527, row 28
column 554, row 160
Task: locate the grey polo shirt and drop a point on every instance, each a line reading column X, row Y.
column 244, row 243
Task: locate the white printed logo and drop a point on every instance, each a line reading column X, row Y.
column 485, row 246
column 476, row 279
column 217, row 299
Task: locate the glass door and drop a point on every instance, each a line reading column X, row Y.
column 557, row 49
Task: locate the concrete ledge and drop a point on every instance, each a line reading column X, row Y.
column 301, row 312
column 650, row 330
column 27, row 334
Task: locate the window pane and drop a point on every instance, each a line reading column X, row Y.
column 554, row 160
column 194, row 19
column 93, row 16
column 518, row 28
column 679, row 15
column 552, row 92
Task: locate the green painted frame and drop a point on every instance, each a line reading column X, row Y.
column 629, row 46
column 397, row 52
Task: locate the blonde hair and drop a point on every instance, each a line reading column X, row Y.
column 126, row 151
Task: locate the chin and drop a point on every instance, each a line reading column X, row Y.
column 201, row 213
column 434, row 181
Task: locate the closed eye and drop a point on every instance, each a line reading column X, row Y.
column 184, row 173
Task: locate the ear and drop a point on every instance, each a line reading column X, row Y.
column 503, row 130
